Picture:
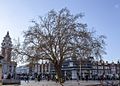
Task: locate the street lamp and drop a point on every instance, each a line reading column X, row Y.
column 42, row 68
column 80, row 69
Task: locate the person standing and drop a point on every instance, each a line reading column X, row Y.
column 27, row 78
column 5, row 76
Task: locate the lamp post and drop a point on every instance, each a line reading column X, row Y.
column 1, row 70
column 80, row 69
column 42, row 68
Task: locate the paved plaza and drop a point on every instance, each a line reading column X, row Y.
column 67, row 83
column 51, row 83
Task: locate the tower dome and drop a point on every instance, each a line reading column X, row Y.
column 7, row 43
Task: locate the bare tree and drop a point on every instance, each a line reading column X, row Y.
column 59, row 35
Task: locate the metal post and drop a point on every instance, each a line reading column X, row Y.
column 49, row 68
column 42, row 68
column 80, row 70
column 65, row 75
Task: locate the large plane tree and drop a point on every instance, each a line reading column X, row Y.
column 59, row 35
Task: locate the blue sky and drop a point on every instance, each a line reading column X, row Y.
column 102, row 15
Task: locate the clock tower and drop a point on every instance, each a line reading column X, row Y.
column 8, row 66
column 7, row 47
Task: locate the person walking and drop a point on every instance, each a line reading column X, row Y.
column 27, row 78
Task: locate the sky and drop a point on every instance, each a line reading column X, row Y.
column 102, row 15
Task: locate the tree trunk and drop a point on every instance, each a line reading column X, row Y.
column 59, row 77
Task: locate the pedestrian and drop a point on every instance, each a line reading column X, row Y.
column 24, row 77
column 78, row 80
column 86, row 77
column 38, row 78
column 27, row 78
column 56, row 78
column 9, row 76
column 5, row 76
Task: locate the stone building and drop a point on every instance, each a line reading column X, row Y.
column 78, row 69
column 8, row 66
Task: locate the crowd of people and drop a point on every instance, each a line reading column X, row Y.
column 39, row 77
column 36, row 77
column 8, row 76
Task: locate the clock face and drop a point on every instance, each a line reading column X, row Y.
column 7, row 39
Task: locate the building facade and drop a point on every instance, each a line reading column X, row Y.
column 78, row 69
